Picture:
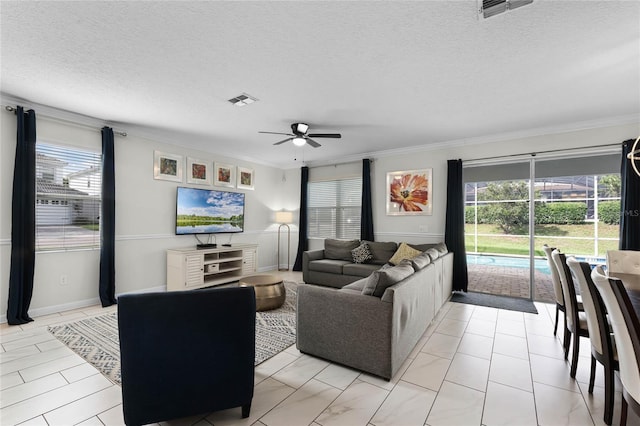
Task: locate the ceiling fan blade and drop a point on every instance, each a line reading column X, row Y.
column 313, row 143
column 278, row 133
column 283, row 141
column 325, row 135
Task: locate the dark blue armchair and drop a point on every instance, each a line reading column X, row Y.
column 186, row 353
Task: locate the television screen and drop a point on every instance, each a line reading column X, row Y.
column 205, row 211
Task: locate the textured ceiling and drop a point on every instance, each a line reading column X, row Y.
column 387, row 75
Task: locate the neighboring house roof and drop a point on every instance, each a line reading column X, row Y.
column 47, row 187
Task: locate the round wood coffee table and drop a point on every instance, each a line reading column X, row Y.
column 269, row 289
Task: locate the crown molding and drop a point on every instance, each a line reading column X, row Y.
column 498, row 137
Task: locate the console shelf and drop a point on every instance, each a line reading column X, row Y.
column 191, row 268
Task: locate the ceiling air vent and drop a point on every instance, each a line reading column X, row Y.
column 242, row 100
column 494, row 7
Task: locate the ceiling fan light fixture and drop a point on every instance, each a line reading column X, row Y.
column 299, row 141
column 301, row 128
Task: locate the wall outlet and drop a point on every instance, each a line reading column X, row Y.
column 64, row 280
column 423, row 228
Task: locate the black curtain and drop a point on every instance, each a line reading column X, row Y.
column 454, row 225
column 366, row 218
column 302, row 231
column 107, row 286
column 629, row 202
column 23, row 220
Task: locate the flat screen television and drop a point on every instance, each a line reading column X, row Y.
column 206, row 211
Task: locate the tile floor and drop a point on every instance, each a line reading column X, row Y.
column 473, row 366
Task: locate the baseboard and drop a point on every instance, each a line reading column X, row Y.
column 55, row 309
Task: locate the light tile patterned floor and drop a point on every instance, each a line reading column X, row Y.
column 473, row 366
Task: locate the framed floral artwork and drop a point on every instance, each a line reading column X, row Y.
column 409, row 192
column 167, row 166
column 224, row 175
column 198, row 171
column 245, row 178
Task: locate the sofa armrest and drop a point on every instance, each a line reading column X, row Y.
column 307, row 257
column 345, row 327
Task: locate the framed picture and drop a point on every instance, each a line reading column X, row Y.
column 167, row 166
column 224, row 175
column 245, row 178
column 409, row 193
column 198, row 171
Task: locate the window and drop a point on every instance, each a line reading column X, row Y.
column 334, row 208
column 67, row 208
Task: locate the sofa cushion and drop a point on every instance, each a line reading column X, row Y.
column 359, row 269
column 356, row 285
column 361, row 254
column 404, row 252
column 433, row 253
column 339, row 249
column 328, row 265
column 381, row 251
column 441, row 247
column 420, row 261
column 380, row 280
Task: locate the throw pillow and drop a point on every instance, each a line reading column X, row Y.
column 404, row 252
column 380, row 280
column 381, row 251
column 339, row 249
column 361, row 254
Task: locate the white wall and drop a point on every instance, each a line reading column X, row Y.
column 145, row 207
column 145, row 218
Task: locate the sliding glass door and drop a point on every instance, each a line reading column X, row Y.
column 512, row 210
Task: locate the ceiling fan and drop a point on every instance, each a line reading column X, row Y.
column 299, row 135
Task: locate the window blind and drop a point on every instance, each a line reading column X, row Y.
column 334, row 208
column 68, row 195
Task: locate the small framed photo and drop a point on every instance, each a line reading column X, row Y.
column 224, row 175
column 245, row 178
column 167, row 166
column 198, row 171
column 409, row 193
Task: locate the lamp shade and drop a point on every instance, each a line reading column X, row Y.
column 284, row 217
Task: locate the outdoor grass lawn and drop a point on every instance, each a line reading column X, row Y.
column 564, row 237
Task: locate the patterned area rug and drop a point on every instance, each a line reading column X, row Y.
column 96, row 339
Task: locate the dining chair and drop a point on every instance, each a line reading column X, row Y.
column 626, row 331
column 557, row 288
column 623, row 261
column 602, row 348
column 576, row 321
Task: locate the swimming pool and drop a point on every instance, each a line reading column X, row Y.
column 507, row 261
column 521, row 262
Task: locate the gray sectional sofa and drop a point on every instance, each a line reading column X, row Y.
column 334, row 266
column 374, row 323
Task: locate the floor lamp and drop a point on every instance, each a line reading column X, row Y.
column 284, row 218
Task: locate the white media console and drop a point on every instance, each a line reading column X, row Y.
column 190, row 268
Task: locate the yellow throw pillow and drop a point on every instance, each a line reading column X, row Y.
column 404, row 252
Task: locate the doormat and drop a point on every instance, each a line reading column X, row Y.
column 493, row 301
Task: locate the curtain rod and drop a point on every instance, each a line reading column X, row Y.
column 62, row 120
column 533, row 154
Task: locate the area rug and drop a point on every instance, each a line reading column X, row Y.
column 492, row 301
column 96, row 339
